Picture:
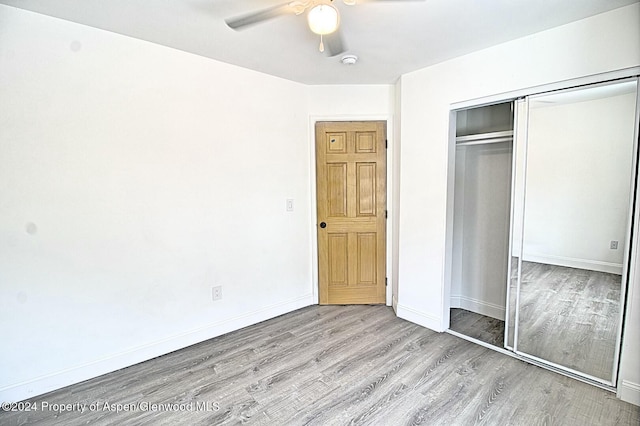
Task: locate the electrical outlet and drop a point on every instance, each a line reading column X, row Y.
column 216, row 292
column 614, row 245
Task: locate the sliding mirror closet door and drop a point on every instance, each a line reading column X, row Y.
column 579, row 181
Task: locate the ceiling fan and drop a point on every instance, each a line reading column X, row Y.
column 323, row 19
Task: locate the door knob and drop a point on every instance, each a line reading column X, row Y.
column 323, row 225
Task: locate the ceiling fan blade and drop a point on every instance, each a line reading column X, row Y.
column 334, row 43
column 248, row 19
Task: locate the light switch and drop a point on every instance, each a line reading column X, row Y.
column 290, row 204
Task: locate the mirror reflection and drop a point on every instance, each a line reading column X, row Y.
column 579, row 161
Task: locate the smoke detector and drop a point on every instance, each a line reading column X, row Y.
column 349, row 59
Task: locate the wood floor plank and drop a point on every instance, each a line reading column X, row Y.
column 335, row 365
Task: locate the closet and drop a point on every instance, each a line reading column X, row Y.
column 483, row 170
column 541, row 225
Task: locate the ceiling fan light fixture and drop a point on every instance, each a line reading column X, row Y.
column 323, row 19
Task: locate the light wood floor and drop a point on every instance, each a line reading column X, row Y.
column 567, row 316
column 481, row 327
column 570, row 316
column 338, row 365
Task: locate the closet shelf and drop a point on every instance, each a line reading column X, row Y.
column 479, row 138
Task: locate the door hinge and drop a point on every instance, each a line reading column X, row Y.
column 386, row 214
column 386, row 143
column 386, row 281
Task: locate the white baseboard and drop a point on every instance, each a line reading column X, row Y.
column 59, row 379
column 478, row 306
column 570, row 262
column 629, row 392
column 421, row 318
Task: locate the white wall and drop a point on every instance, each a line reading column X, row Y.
column 579, row 158
column 395, row 199
column 134, row 178
column 481, row 228
column 351, row 101
column 602, row 43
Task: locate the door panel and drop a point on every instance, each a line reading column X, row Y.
column 351, row 187
column 366, row 189
column 337, row 189
column 365, row 142
column 367, row 259
column 337, row 256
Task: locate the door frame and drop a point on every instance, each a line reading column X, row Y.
column 392, row 202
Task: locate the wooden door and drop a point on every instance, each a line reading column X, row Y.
column 351, row 191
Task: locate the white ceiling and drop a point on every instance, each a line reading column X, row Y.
column 390, row 37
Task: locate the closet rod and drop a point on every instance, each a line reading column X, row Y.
column 484, row 141
column 483, row 136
